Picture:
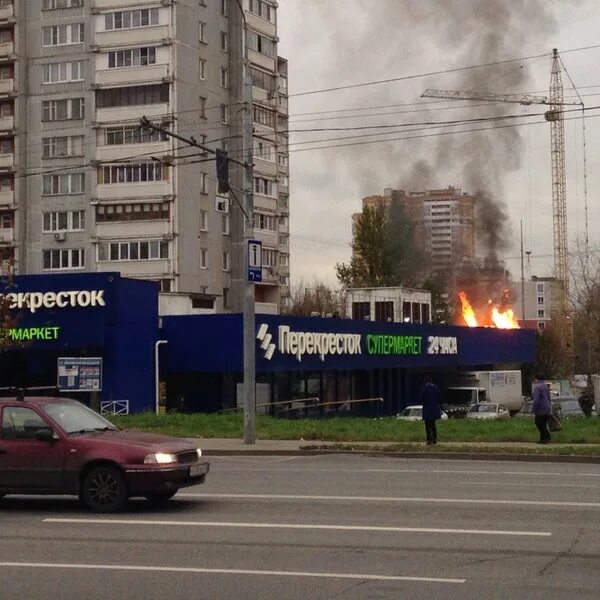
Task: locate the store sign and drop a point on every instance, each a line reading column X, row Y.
column 394, row 344
column 32, row 301
column 308, row 343
column 20, row 334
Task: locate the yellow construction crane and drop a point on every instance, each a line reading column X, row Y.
column 555, row 116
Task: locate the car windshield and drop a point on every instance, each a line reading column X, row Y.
column 487, row 408
column 76, row 418
column 570, row 405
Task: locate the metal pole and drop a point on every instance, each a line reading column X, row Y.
column 249, row 387
column 522, row 276
column 157, row 374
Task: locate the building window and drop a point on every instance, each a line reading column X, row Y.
column 132, row 251
column 130, row 19
column 283, row 222
column 202, row 32
column 203, row 258
column 262, row 79
column 224, row 114
column 283, row 180
column 361, row 310
column 202, row 69
column 60, row 147
column 63, row 110
column 540, row 288
column 224, row 41
column 133, row 96
column 282, row 159
column 262, row 44
column 283, row 241
column 284, row 202
column 541, row 314
column 7, row 72
column 225, row 224
column 541, row 326
column 7, row 184
column 264, row 116
column 226, row 298
column 68, row 183
column 265, row 222
column 264, row 150
column 262, row 9
column 63, row 35
column 384, row 311
column 7, row 220
column 204, row 183
column 7, row 146
column 284, row 260
column 55, row 4
column 226, row 261
column 132, row 173
column 224, row 11
column 263, row 186
column 284, row 280
column 146, row 211
column 540, row 299
column 269, row 258
column 136, row 57
column 61, row 260
column 224, row 78
column 132, row 134
column 62, row 72
column 203, row 220
column 68, row 220
column 7, row 109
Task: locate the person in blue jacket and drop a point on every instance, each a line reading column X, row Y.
column 431, row 400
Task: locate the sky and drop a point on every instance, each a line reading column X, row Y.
column 332, row 43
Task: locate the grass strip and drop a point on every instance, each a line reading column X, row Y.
column 348, row 429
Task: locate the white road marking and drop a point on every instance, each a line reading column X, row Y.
column 200, row 570
column 358, row 470
column 533, row 503
column 529, row 484
column 226, row 524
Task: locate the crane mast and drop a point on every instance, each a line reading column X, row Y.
column 556, row 119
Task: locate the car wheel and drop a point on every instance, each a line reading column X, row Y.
column 160, row 497
column 104, row 489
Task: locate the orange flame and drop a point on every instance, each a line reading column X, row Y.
column 467, row 310
column 494, row 315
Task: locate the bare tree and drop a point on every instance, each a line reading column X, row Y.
column 316, row 298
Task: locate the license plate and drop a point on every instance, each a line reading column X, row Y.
column 196, row 471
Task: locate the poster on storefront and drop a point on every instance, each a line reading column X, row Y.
column 79, row 374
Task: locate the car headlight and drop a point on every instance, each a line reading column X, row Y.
column 160, row 458
column 199, row 451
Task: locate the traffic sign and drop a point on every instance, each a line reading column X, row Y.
column 254, row 261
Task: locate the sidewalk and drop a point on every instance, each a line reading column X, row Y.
column 464, row 450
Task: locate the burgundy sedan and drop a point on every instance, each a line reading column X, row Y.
column 59, row 446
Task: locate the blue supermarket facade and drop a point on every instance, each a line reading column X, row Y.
column 104, row 315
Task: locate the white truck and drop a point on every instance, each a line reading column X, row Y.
column 500, row 387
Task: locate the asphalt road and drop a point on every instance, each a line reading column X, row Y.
column 321, row 527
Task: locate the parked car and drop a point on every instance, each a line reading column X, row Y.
column 488, row 410
column 569, row 406
column 414, row 413
column 527, row 409
column 59, row 446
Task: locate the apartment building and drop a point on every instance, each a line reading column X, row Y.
column 444, row 224
column 540, row 302
column 84, row 188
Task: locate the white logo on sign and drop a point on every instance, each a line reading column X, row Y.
column 264, row 337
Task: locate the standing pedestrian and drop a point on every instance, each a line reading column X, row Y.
column 431, row 400
column 542, row 408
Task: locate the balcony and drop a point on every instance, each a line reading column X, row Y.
column 130, row 113
column 146, row 269
column 7, row 198
column 261, row 25
column 119, row 152
column 130, row 37
column 7, row 13
column 262, row 61
column 7, row 235
column 269, row 275
column 131, row 229
column 7, row 87
column 264, row 167
column 7, row 51
column 132, row 75
column 154, row 189
column 266, row 308
column 7, row 161
column 7, row 123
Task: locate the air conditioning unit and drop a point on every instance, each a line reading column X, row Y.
column 60, row 236
column 222, row 204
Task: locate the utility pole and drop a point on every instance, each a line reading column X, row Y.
column 522, row 276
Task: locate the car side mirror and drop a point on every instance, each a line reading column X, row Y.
column 45, row 435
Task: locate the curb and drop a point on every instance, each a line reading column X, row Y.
column 482, row 456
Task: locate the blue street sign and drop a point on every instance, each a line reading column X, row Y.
column 80, row 374
column 254, row 261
